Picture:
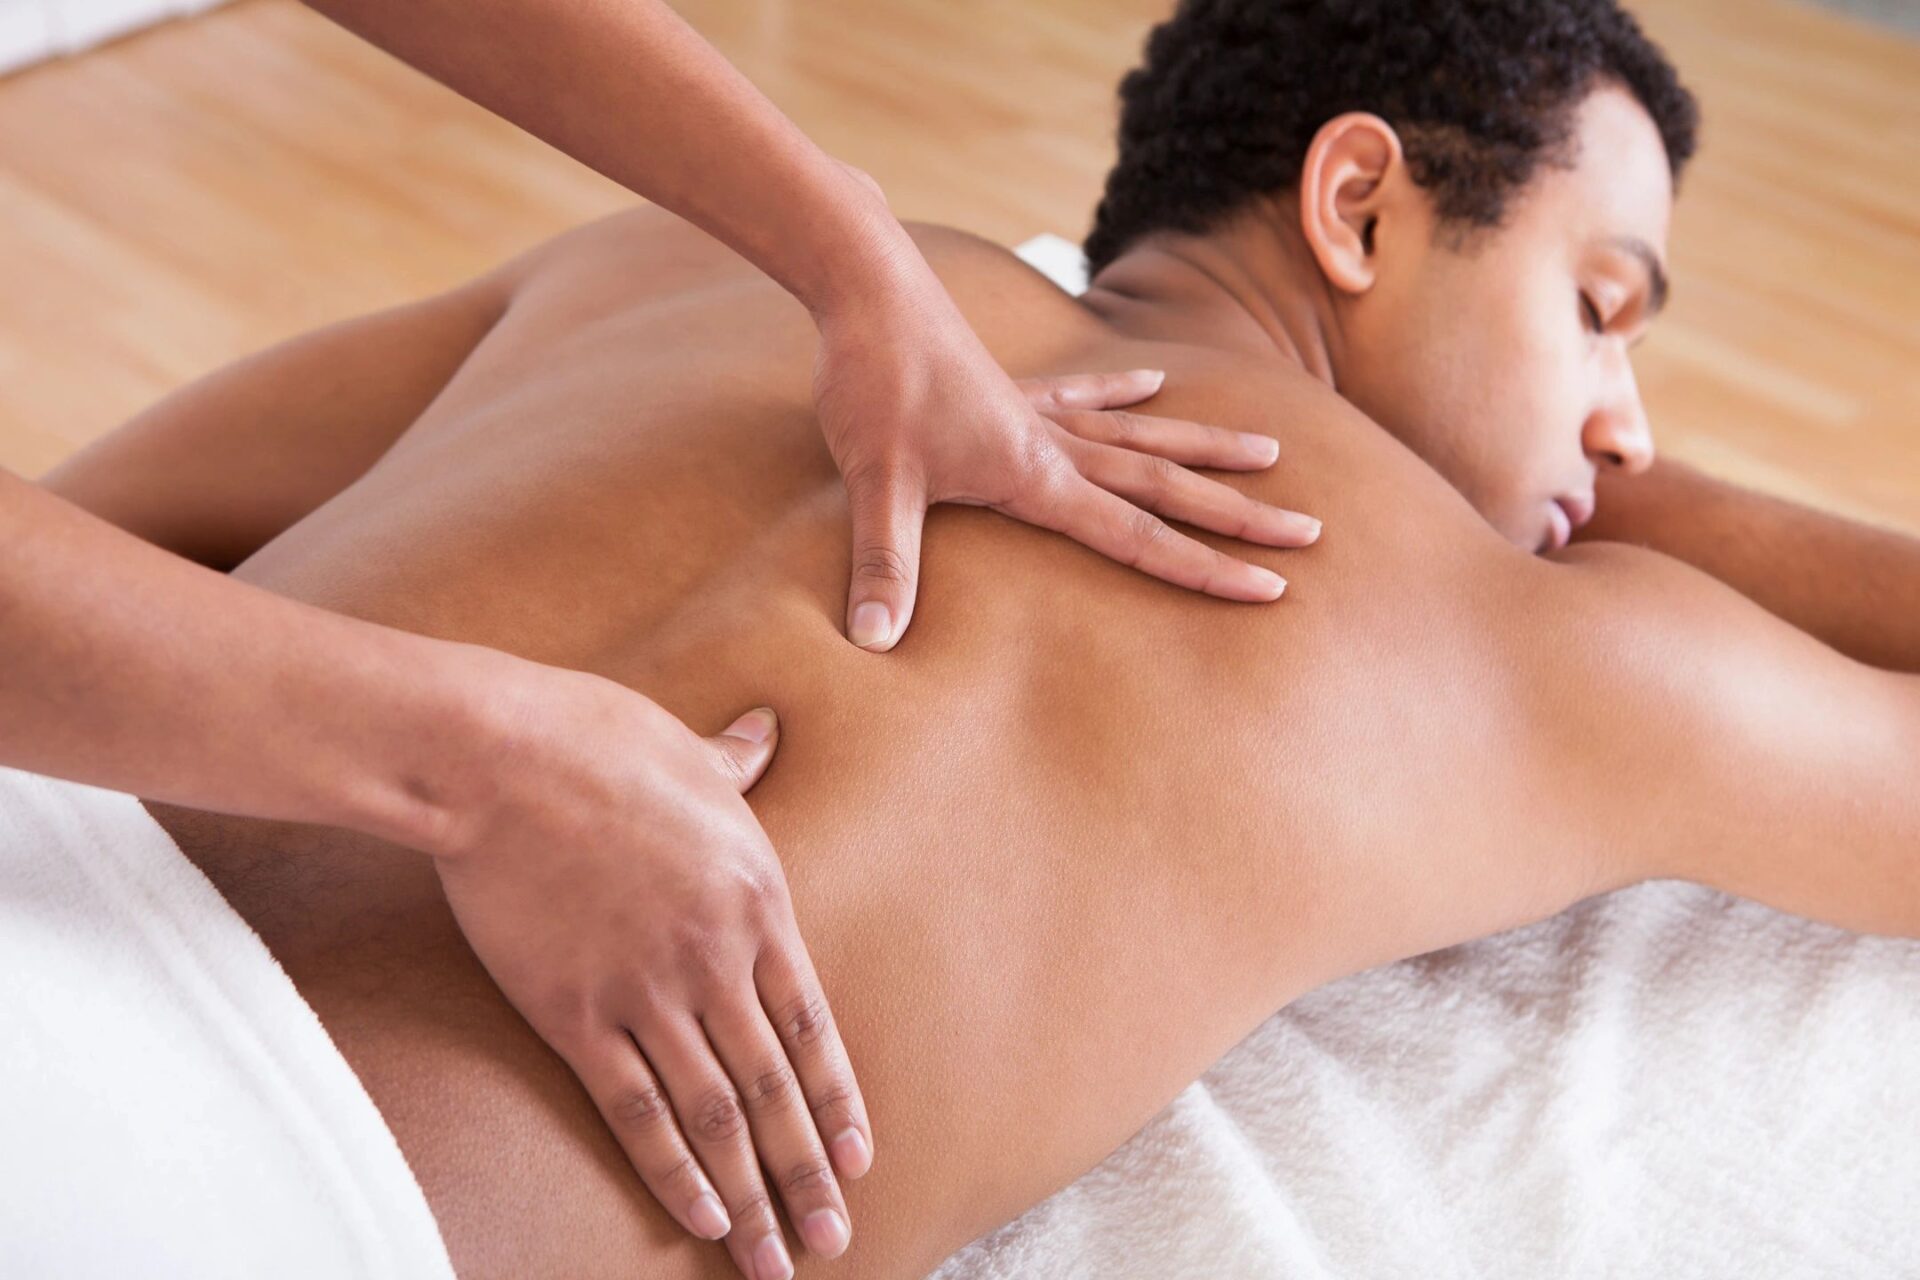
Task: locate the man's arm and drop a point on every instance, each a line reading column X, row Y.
column 1849, row 584
column 1697, row 736
column 219, row 468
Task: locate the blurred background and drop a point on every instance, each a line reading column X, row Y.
column 179, row 187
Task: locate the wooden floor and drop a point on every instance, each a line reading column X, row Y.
column 201, row 189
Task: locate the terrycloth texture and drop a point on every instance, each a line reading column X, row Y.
column 1663, row 1082
column 169, row 1105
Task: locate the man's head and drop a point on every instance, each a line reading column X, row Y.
column 1484, row 188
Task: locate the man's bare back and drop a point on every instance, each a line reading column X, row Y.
column 1081, row 831
column 1056, row 854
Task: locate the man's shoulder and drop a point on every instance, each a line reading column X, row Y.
column 1020, row 314
column 940, row 243
column 639, row 253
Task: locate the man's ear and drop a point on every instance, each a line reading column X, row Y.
column 1342, row 192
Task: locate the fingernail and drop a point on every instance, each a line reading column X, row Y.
column 825, row 1233
column 1271, row 583
column 872, row 624
column 1263, row 448
column 1309, row 527
column 1156, row 376
column 755, row 726
column 850, row 1154
column 708, row 1218
column 770, row 1261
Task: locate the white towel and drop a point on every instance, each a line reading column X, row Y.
column 1665, row 1082
column 169, row 1105
column 1058, row 259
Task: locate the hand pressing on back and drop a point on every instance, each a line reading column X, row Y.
column 624, row 898
column 916, row 411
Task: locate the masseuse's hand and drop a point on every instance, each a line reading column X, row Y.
column 916, row 411
column 624, row 898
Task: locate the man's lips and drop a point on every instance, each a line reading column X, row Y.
column 1566, row 513
column 1559, row 526
column 1578, row 506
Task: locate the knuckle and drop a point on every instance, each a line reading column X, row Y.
column 1030, row 452
column 1219, row 568
column 639, row 1107
column 1048, row 395
column 1144, row 533
column 770, row 1090
column 808, row 1175
column 1162, row 478
column 750, row 1205
column 883, row 564
column 868, row 472
column 682, row 1178
column 1047, row 470
column 718, row 1117
column 1240, row 509
column 759, row 884
column 725, row 887
column 769, row 878
column 732, row 763
column 1123, row 428
column 833, row 1107
column 803, row 1020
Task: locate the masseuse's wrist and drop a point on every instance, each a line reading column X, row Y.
column 454, row 718
column 867, row 262
column 503, row 751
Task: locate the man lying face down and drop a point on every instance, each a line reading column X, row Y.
column 1081, row 831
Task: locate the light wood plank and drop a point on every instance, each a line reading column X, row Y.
column 198, row 190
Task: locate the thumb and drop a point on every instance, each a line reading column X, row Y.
column 742, row 750
column 887, row 517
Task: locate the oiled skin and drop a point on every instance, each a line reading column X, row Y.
column 1075, row 837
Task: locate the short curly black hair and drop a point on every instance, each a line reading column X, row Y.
column 1231, row 93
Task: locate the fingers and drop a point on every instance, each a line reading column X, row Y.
column 888, row 511
column 743, row 749
column 713, row 1115
column 1188, row 443
column 1170, row 490
column 782, row 1123
column 1092, row 390
column 795, row 1004
column 636, row 1108
column 1121, row 531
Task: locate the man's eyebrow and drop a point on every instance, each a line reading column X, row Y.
column 1656, row 274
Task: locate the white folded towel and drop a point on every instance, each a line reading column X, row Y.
column 1665, row 1082
column 169, row 1105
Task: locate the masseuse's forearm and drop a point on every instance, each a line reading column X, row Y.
column 1850, row 585
column 628, row 88
column 130, row 668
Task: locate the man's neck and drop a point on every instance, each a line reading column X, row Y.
column 1251, row 285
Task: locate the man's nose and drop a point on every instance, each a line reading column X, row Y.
column 1617, row 434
